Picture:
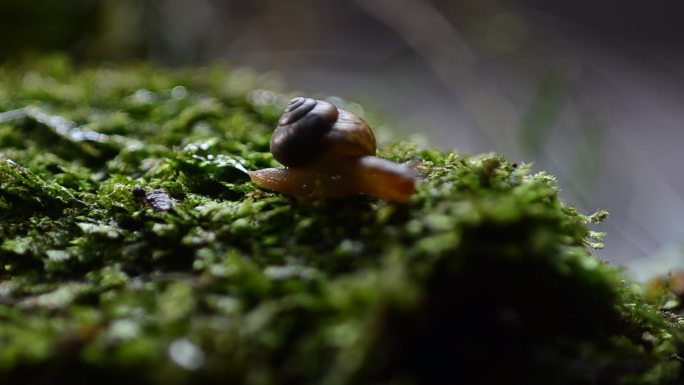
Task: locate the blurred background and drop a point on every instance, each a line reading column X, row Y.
column 590, row 91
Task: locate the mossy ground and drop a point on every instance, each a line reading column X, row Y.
column 484, row 277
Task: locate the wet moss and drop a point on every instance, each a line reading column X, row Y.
column 135, row 249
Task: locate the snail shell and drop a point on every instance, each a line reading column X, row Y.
column 310, row 127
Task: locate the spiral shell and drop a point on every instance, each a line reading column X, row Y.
column 310, row 127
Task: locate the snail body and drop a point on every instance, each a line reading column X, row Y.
column 329, row 152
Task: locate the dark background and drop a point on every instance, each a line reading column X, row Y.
column 591, row 91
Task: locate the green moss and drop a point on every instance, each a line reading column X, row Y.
column 134, row 248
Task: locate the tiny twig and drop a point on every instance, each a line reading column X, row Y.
column 12, row 115
column 64, row 127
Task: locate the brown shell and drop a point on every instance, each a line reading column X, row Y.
column 309, row 127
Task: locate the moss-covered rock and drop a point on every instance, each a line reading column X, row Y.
column 134, row 248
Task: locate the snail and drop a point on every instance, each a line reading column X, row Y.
column 329, row 152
